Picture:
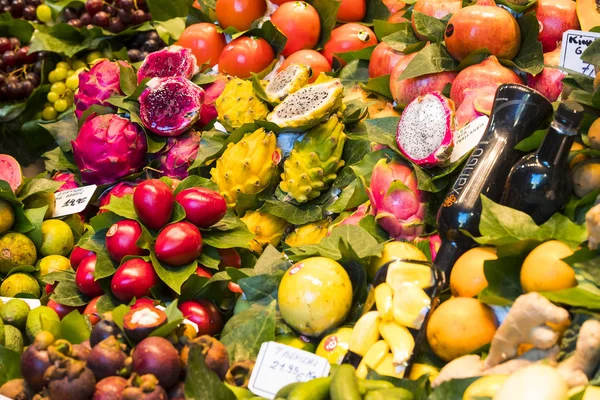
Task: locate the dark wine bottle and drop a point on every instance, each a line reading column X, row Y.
column 516, row 112
column 540, row 183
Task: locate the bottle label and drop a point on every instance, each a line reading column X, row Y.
column 468, row 137
column 573, row 45
column 465, row 175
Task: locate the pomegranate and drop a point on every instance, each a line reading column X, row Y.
column 434, row 8
column 153, row 203
column 121, row 240
column 406, row 90
column 394, row 5
column 397, row 17
column 348, row 37
column 203, row 207
column 229, row 258
column 91, row 311
column 555, row 17
column 352, row 11
column 134, row 278
column 78, row 255
column 178, row 244
column 483, row 26
column 204, row 314
column 84, row 278
column 143, row 302
column 549, row 81
column 383, row 60
column 60, row 309
column 203, row 272
column 488, row 73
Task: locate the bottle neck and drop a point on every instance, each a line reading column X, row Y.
column 556, row 145
column 446, row 256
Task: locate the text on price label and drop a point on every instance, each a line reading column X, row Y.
column 573, row 45
column 73, row 201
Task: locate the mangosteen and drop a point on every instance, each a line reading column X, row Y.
column 110, row 388
column 81, row 351
column 35, row 360
column 144, row 387
column 157, row 356
column 177, row 392
column 70, row 379
column 140, row 323
column 215, row 354
column 107, row 358
column 17, row 389
column 239, row 373
column 103, row 329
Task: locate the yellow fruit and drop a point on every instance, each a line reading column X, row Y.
column 544, row 271
column 467, row 278
column 57, row 238
column 51, row 264
column 576, row 159
column 267, row 229
column 334, row 347
column 418, row 370
column 394, row 251
column 365, row 333
column 401, row 273
column 384, row 299
column 460, row 326
column 400, row 340
column 7, row 216
column 484, row 387
column 387, row 367
column 411, row 305
column 315, row 295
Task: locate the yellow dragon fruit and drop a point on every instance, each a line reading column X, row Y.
column 311, row 233
column 314, row 161
column 238, row 104
column 247, row 166
column 266, row 228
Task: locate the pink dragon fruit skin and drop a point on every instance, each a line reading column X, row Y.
column 477, row 102
column 98, row 84
column 211, row 93
column 398, row 204
column 119, row 190
column 178, row 155
column 354, row 219
column 434, row 244
column 108, row 148
column 426, row 130
column 170, row 61
column 68, row 178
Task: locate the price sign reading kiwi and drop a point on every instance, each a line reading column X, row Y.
column 73, row 201
column 278, row 365
column 573, row 45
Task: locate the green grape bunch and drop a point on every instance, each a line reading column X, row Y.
column 65, row 81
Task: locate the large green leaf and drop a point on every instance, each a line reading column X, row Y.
column 432, row 59
column 202, row 383
column 10, row 366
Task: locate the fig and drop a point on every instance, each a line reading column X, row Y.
column 35, row 360
column 157, row 356
column 84, row 278
column 121, row 240
column 78, row 255
column 239, row 373
column 70, row 379
column 203, row 207
column 178, row 244
column 60, row 309
column 177, row 392
column 153, row 203
column 139, row 323
column 110, row 388
column 204, row 314
column 134, row 278
column 215, row 354
column 144, row 387
column 143, row 302
column 103, row 330
column 107, row 358
column 91, row 311
column 17, row 389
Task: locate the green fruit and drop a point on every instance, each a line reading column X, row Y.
column 51, row 264
column 239, row 104
column 20, row 283
column 42, row 200
column 13, row 339
column 16, row 249
column 14, row 313
column 57, row 238
column 7, row 216
column 42, row 318
column 2, row 333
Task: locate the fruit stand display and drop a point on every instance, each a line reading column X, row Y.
column 299, row 200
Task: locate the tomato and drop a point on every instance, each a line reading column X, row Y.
column 394, row 5
column 203, row 272
column 205, row 42
column 121, row 240
column 348, row 37
column 60, row 309
column 153, row 203
column 239, row 13
column 78, row 255
column 143, row 302
column 134, row 278
column 245, row 55
column 315, row 60
column 203, row 207
column 352, row 10
column 300, row 23
column 383, row 60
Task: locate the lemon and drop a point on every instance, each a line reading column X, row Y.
column 51, row 264
column 7, row 216
column 411, row 305
column 334, row 347
column 395, row 251
column 20, row 283
column 16, row 249
column 418, row 370
column 13, row 339
column 57, row 238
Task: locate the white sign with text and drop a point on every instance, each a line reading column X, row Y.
column 573, row 45
column 73, row 201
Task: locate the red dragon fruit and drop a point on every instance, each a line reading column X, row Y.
column 170, row 61
column 98, row 84
column 211, row 94
column 119, row 190
column 170, row 106
column 68, row 178
column 178, row 155
column 426, row 130
column 108, row 148
column 398, row 204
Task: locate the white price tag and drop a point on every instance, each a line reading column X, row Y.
column 573, row 45
column 278, row 365
column 32, row 303
column 468, row 137
column 73, row 201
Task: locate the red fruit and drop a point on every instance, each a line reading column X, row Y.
column 397, row 17
column 352, row 10
column 315, row 60
column 245, row 55
column 383, row 60
column 549, row 81
column 84, row 278
column 489, row 73
column 153, row 203
column 78, row 255
column 178, row 244
column 92, row 311
column 203, row 272
column 555, row 17
column 60, row 309
column 205, row 41
column 119, row 190
column 143, row 302
column 300, row 23
column 483, row 25
column 121, row 240
column 203, row 207
column 435, row 8
column 239, row 13
column 234, row 287
column 348, row 37
column 280, row 2
column 229, row 258
column 134, row 278
column 204, row 314
column 394, row 5
column 49, row 288
column 406, row 90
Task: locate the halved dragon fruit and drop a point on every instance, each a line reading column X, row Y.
column 425, row 131
column 179, row 154
column 170, row 61
column 288, row 81
column 119, row 190
column 211, row 94
column 170, row 106
column 68, row 178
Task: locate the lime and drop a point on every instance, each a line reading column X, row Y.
column 13, row 339
column 14, row 313
column 51, row 264
column 7, row 216
column 57, row 238
column 16, row 249
column 42, row 318
column 41, row 200
column 20, row 283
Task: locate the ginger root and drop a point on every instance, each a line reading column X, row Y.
column 592, row 220
column 577, row 368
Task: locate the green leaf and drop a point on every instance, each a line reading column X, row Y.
column 327, row 11
column 430, row 27
column 363, row 54
column 432, row 59
column 174, row 277
column 579, row 296
column 38, row 185
column 165, row 10
column 170, row 30
column 530, row 57
column 297, row 215
column 36, row 217
column 355, row 71
column 122, row 206
column 43, row 41
column 576, row 204
column 503, row 277
column 532, row 142
column 261, row 289
column 97, row 243
column 517, row 7
column 127, row 79
column 22, row 224
column 402, row 37
column 383, row 28
column 74, row 328
column 452, row 389
column 591, row 54
column 174, row 319
column 195, row 181
column 271, row 260
column 63, row 130
column 379, row 85
column 10, row 368
column 376, row 10
column 118, row 315
column 237, row 237
column 419, row 387
column 66, row 292
column 202, row 383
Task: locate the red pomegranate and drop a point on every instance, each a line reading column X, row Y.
column 397, row 17
column 383, row 60
column 483, row 26
column 555, row 17
column 434, row 8
column 549, row 81
column 489, row 73
column 348, row 37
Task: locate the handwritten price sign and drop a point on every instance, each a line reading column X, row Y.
column 73, row 201
column 574, row 44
